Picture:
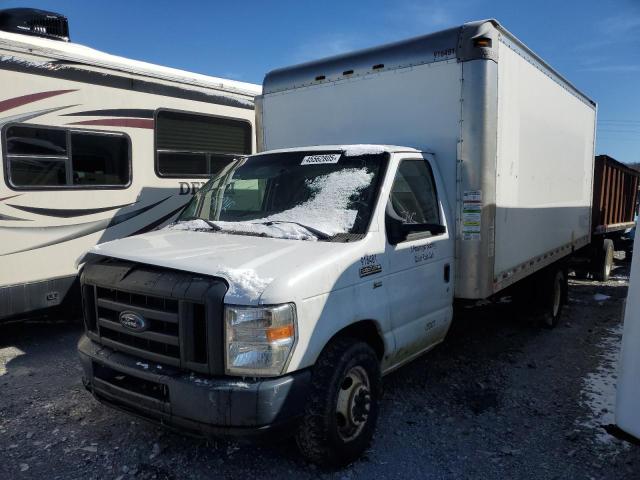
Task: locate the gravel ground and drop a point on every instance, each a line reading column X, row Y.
column 501, row 398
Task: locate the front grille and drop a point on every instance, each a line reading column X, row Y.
column 159, row 342
column 182, row 313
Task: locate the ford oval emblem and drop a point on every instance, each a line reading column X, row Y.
column 133, row 321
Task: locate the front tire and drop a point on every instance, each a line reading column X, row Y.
column 342, row 407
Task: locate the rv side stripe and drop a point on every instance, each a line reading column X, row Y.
column 158, row 222
column 32, row 97
column 84, row 228
column 118, row 122
column 11, row 196
column 9, row 217
column 66, row 213
column 66, row 72
column 113, row 112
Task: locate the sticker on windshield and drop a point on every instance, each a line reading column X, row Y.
column 319, row 159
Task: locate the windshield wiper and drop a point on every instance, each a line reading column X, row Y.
column 317, row 233
column 208, row 222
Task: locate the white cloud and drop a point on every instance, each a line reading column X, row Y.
column 625, row 68
column 621, row 26
column 400, row 19
column 232, row 75
column 325, row 46
column 618, row 32
column 426, row 15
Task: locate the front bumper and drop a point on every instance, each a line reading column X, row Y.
column 200, row 405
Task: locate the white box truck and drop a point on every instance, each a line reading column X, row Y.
column 393, row 181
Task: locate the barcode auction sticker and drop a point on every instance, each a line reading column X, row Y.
column 318, row 159
column 472, row 215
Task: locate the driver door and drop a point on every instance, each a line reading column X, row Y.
column 420, row 266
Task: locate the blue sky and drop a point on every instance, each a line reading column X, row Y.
column 594, row 43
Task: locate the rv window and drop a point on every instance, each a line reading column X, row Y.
column 99, row 159
column 32, row 171
column 23, row 140
column 191, row 145
column 54, row 157
column 180, row 163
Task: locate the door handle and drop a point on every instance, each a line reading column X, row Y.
column 377, row 284
column 447, row 273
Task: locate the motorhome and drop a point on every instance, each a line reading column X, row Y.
column 97, row 147
column 390, row 183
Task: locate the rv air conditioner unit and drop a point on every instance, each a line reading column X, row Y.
column 39, row 23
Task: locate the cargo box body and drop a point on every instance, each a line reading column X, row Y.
column 512, row 139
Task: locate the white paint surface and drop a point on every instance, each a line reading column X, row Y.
column 544, row 163
column 628, row 400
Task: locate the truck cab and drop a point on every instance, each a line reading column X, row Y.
column 293, row 252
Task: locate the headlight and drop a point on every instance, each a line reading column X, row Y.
column 259, row 340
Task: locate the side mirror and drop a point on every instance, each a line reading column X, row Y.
column 398, row 232
column 394, row 230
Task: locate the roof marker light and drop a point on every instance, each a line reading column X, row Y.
column 482, row 42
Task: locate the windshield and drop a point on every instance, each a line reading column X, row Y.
column 294, row 195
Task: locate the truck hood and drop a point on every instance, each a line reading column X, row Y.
column 257, row 269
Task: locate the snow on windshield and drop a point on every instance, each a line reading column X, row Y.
column 327, row 210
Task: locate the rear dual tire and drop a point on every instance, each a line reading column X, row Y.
column 604, row 260
column 551, row 296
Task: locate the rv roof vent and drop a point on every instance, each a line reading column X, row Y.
column 30, row 21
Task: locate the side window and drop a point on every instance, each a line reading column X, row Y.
column 413, row 198
column 44, row 157
column 244, row 196
column 99, row 159
column 192, row 145
column 36, row 156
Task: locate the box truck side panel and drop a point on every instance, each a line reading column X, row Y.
column 544, row 165
column 415, row 107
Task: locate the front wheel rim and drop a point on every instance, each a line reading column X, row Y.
column 354, row 403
